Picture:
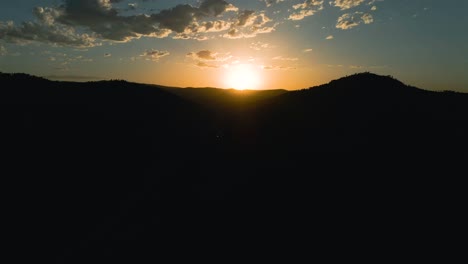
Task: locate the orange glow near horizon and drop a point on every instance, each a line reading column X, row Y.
column 242, row 76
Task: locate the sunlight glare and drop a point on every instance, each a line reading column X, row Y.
column 242, row 76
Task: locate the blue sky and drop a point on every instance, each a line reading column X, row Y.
column 260, row 44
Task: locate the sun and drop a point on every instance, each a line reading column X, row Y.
column 242, row 76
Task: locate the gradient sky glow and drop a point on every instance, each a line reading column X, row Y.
column 290, row 44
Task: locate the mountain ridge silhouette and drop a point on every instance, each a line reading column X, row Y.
column 106, row 169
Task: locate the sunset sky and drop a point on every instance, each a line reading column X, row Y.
column 257, row 44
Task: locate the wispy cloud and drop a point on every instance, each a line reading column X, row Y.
column 329, row 37
column 277, row 68
column 154, row 55
column 285, row 58
column 202, row 64
column 260, row 45
column 307, row 50
column 208, row 55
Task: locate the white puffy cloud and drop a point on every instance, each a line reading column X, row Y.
column 348, row 21
column 307, row 8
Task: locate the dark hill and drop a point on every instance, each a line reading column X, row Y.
column 112, row 171
column 226, row 99
column 366, row 111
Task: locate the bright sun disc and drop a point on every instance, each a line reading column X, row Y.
column 242, row 76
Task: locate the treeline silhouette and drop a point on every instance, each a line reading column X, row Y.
column 111, row 170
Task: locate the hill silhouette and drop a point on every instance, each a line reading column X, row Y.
column 111, row 167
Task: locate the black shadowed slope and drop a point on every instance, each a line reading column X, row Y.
column 375, row 116
column 111, row 171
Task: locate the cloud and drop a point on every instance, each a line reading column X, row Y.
column 271, row 2
column 285, row 59
column 371, row 2
column 206, row 65
column 215, row 7
column 348, row 21
column 154, row 55
column 346, row 4
column 276, row 68
column 45, row 30
column 207, row 58
column 132, row 6
column 330, row 37
column 260, row 45
column 103, row 21
column 207, row 55
column 308, row 50
column 374, row 8
column 203, row 55
column 101, row 18
column 367, row 18
column 249, row 24
column 307, row 8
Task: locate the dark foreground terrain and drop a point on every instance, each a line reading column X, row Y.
column 112, row 171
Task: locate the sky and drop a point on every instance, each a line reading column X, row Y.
column 243, row 44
